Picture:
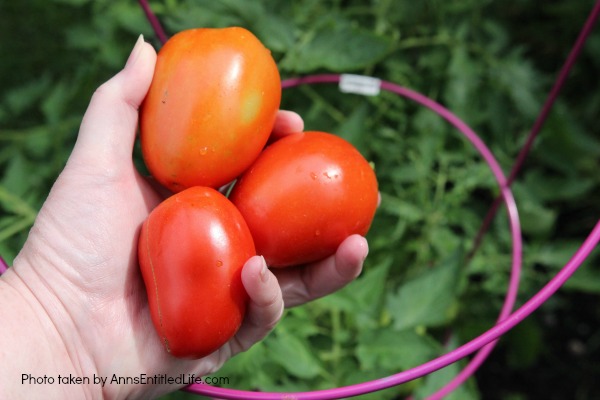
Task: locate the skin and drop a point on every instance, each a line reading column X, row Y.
column 74, row 301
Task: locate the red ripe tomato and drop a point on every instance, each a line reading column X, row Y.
column 191, row 251
column 304, row 195
column 210, row 108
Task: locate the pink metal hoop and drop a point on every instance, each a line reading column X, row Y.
column 484, row 347
column 484, row 343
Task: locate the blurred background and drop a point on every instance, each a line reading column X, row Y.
column 490, row 62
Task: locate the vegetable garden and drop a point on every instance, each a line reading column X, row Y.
column 428, row 285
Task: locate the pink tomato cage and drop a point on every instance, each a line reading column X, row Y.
column 508, row 318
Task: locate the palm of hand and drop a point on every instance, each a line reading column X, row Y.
column 83, row 245
column 80, row 261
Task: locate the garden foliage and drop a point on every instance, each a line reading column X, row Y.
column 490, row 62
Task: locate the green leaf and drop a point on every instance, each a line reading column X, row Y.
column 518, row 78
column 429, row 299
column 551, row 187
column 273, row 31
column 24, row 97
column 300, row 320
column 56, row 101
column 429, row 123
column 465, row 77
column 354, row 128
column 7, row 253
column 337, row 46
column 435, row 381
column 367, row 289
column 248, row 361
column 444, row 240
column 11, row 229
column 535, row 217
column 566, row 145
column 203, row 14
column 250, row 369
column 401, row 208
column 556, row 255
column 586, row 279
column 16, row 182
column 293, row 354
column 391, row 350
column 72, row 2
column 363, row 297
column 525, row 344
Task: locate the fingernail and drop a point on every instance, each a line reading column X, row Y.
column 137, row 49
column 364, row 245
column 264, row 276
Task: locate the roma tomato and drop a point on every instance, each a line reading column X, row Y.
column 304, row 195
column 191, row 251
column 210, row 107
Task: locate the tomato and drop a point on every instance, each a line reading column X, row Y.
column 304, row 195
column 210, row 108
column 191, row 251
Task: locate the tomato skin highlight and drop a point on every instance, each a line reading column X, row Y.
column 304, row 195
column 191, row 251
column 210, row 108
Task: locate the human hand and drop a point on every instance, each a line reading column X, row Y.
column 77, row 275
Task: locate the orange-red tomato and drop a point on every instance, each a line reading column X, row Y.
column 304, row 195
column 210, row 108
column 191, row 251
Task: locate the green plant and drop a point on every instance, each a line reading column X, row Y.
column 491, row 63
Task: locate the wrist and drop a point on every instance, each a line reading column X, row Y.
column 38, row 340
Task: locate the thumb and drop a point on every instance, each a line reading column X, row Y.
column 108, row 129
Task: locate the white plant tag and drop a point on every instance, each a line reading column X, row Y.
column 360, row 84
